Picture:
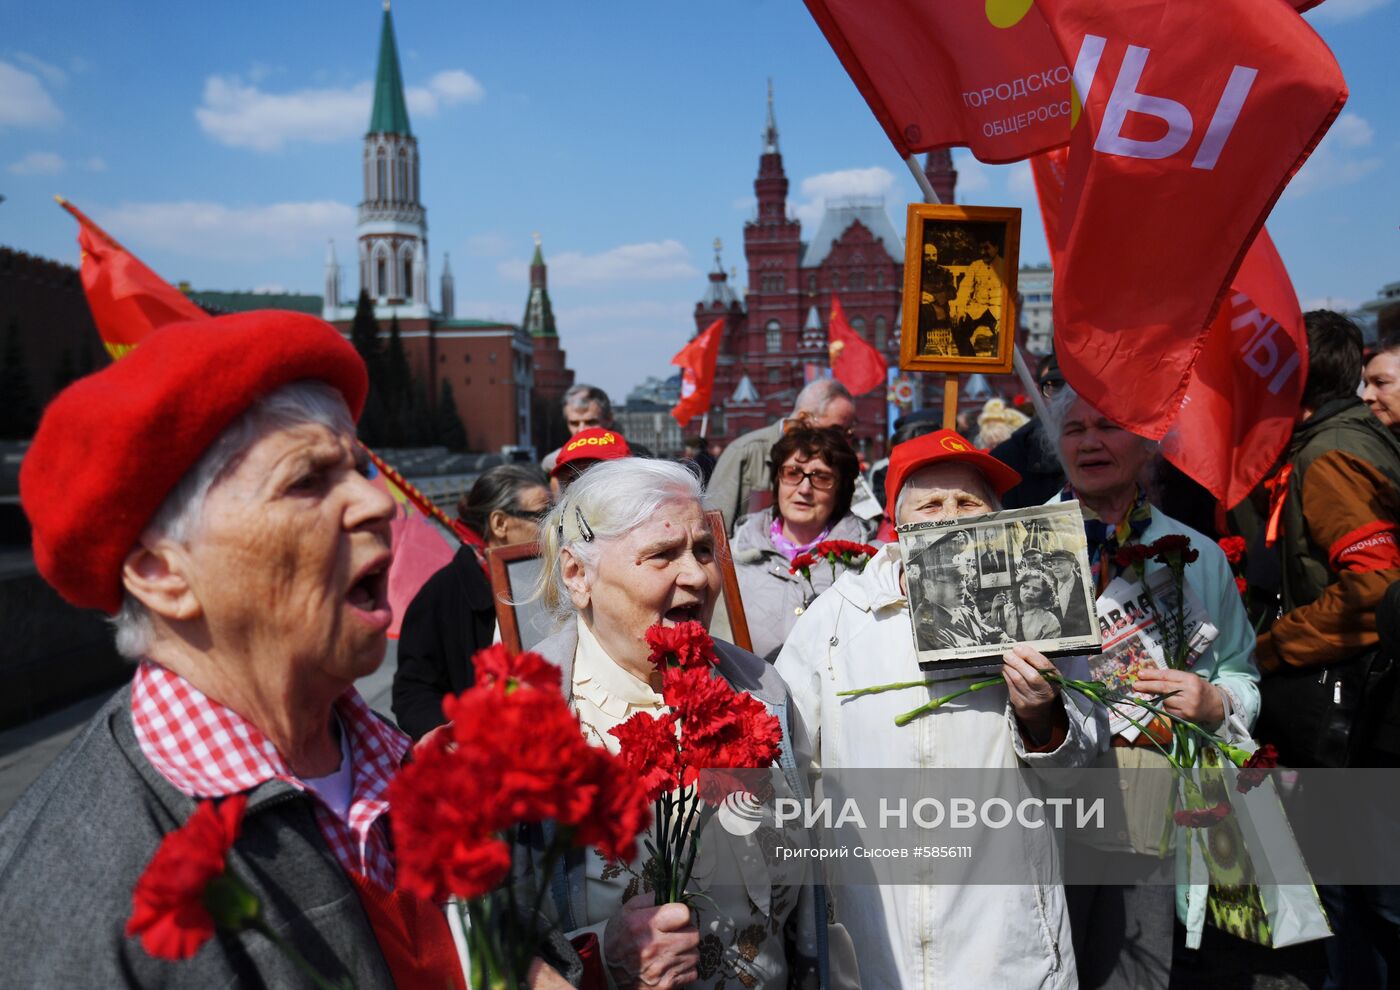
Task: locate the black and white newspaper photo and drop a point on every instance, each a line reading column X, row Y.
column 978, row 586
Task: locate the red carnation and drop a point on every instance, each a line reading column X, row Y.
column 169, row 909
column 803, row 562
column 497, row 666
column 1202, row 817
column 1241, row 585
column 1256, row 769
column 620, row 811
column 1234, row 547
column 685, row 645
column 1174, row 550
column 650, row 750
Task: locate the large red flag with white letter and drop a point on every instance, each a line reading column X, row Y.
column 1196, row 115
column 697, row 360
column 854, row 362
column 1247, row 382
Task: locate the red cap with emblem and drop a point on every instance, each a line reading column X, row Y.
column 935, row 448
column 592, row 444
column 113, row 445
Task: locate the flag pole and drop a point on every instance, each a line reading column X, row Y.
column 925, row 186
column 950, row 379
column 705, row 424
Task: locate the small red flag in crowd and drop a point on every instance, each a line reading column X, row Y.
column 855, row 363
column 697, row 361
column 1187, row 138
column 127, row 299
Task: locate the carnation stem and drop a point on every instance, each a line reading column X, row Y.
column 896, row 686
column 937, row 703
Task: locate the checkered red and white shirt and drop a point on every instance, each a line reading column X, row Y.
column 206, row 750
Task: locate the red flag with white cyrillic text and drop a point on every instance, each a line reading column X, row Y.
column 1247, row 384
column 697, row 360
column 854, row 362
column 1196, row 115
column 988, row 76
column 127, row 299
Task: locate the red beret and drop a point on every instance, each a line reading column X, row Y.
column 113, row 445
column 592, row 444
column 935, row 448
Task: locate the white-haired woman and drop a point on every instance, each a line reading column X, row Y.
column 627, row 547
column 1123, row 935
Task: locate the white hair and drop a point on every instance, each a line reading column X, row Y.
column 181, row 515
column 606, row 502
column 818, row 394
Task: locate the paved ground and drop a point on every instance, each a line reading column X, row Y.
column 1222, row 963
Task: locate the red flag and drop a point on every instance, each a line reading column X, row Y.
column 855, row 363
column 1188, row 137
column 1247, row 384
column 127, row 299
column 985, row 75
column 1049, row 173
column 697, row 360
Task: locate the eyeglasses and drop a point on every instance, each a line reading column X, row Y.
column 535, row 517
column 792, row 476
column 1050, row 386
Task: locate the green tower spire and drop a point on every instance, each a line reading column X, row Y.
column 390, row 114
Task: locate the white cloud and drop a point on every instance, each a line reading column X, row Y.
column 24, row 102
column 95, row 164
column 652, row 261
column 1339, row 159
column 817, row 189
column 243, row 115
column 38, row 163
column 745, row 204
column 1345, row 10
column 52, row 74
column 232, row 233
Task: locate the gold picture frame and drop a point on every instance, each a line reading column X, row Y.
column 960, row 289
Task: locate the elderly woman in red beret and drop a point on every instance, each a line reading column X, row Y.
column 207, row 491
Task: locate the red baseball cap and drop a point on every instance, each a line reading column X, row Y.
column 592, row 444
column 114, row 444
column 935, row 448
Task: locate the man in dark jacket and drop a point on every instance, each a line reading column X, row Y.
column 1334, row 519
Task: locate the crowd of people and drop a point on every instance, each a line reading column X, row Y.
column 230, row 529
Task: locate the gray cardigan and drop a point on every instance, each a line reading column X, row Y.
column 73, row 847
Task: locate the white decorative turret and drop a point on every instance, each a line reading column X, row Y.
column 331, row 300
column 449, row 301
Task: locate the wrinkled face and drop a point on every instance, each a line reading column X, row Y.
column 940, row 492
column 663, row 571
column 1062, row 568
column 1382, row 388
column 522, row 524
column 1101, row 458
column 839, row 412
column 584, row 417
column 290, row 562
column 804, row 503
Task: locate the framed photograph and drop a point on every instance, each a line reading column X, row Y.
column 979, row 585
column 960, row 289
column 514, row 571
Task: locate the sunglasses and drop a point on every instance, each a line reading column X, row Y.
column 535, row 517
column 792, row 475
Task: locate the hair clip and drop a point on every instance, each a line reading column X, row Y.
column 585, row 530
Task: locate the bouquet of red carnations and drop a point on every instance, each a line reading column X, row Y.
column 710, row 726
column 514, row 755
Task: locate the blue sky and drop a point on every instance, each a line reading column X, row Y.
column 221, row 143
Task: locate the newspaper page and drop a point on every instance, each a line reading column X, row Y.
column 1139, row 632
column 980, row 584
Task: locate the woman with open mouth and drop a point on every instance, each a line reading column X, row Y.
column 628, row 547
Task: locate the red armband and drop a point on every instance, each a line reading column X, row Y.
column 1372, row 547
